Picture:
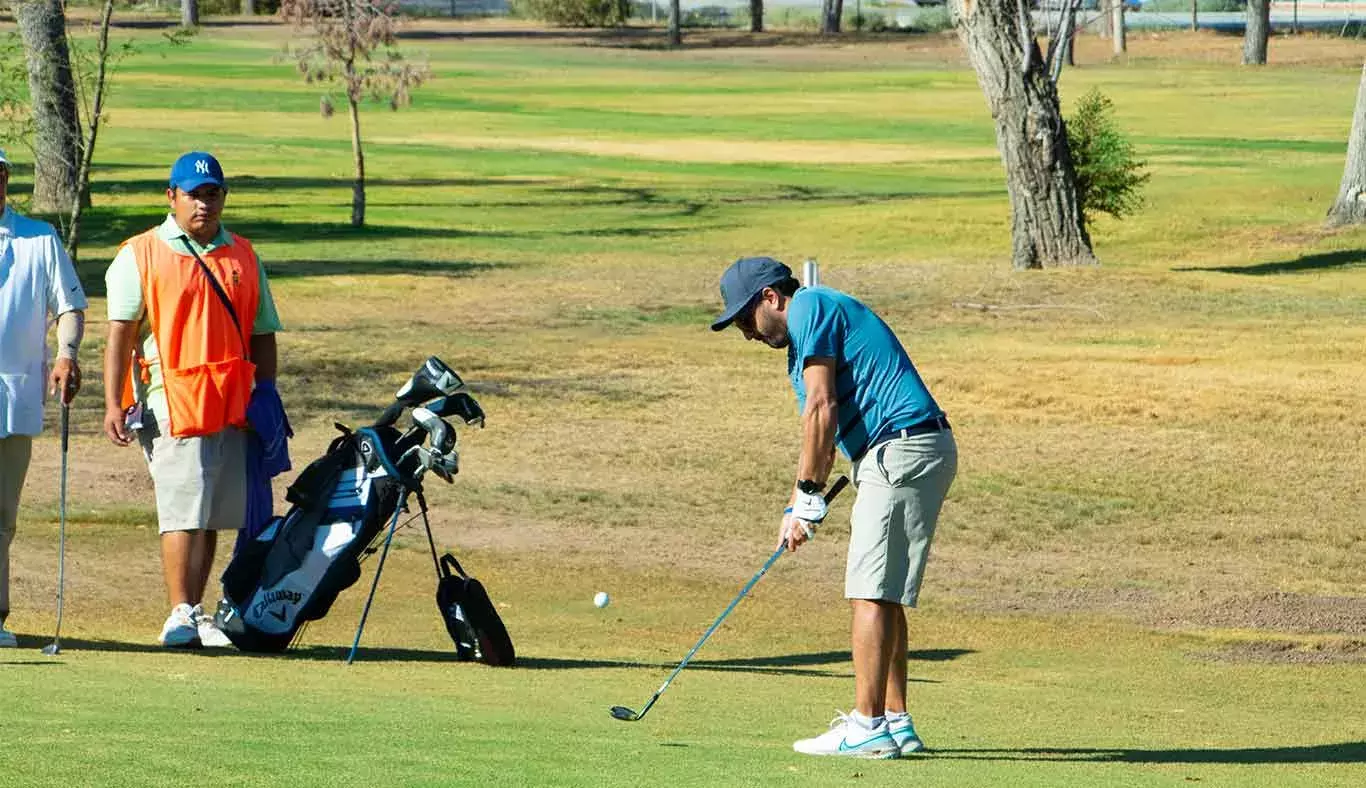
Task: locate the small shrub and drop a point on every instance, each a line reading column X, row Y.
column 1110, row 176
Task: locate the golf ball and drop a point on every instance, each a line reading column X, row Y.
column 601, row 599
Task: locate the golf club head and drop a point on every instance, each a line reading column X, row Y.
column 441, row 436
column 443, row 464
column 461, row 405
column 52, row 649
column 624, row 714
column 433, row 380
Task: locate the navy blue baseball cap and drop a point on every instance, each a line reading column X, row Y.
column 744, row 280
column 195, row 169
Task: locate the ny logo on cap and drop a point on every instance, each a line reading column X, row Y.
column 201, row 167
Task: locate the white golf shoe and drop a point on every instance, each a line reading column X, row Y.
column 903, row 733
column 209, row 633
column 180, row 630
column 847, row 737
column 7, row 638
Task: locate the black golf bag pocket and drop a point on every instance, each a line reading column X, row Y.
column 471, row 619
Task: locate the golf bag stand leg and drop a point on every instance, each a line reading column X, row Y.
column 388, row 539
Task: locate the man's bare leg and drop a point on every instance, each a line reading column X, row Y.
column 873, row 632
column 896, row 670
column 177, row 566
column 201, row 564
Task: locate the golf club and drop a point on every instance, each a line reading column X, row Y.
column 626, row 715
column 55, row 647
column 440, row 435
column 434, row 379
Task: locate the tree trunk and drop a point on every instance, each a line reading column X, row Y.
column 1120, row 38
column 1107, row 17
column 357, row 188
column 52, row 91
column 249, row 8
column 1350, row 207
column 189, row 13
column 675, row 24
column 831, row 11
column 1195, row 15
column 1046, row 219
column 73, row 229
column 1258, row 27
column 756, row 16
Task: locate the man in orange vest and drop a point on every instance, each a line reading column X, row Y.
column 191, row 331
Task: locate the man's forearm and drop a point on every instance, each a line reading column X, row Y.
column 70, row 330
column 265, row 356
column 818, row 440
column 117, row 358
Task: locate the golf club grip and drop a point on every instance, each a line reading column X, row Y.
column 66, row 426
column 837, row 488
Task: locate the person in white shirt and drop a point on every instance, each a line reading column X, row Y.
column 37, row 279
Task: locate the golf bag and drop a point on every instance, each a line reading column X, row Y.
column 294, row 569
column 471, row 619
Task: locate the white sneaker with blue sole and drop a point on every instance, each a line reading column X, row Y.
column 180, row 629
column 903, row 733
column 847, row 737
column 210, row 636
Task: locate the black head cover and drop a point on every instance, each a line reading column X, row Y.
column 433, row 380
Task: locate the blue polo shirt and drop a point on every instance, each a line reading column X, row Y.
column 876, row 384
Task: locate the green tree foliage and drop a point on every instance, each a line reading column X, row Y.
column 1110, row 176
column 576, row 13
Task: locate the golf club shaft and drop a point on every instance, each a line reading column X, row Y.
column 61, row 521
column 835, row 490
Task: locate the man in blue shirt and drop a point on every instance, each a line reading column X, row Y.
column 858, row 391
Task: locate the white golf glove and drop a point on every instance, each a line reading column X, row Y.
column 810, row 507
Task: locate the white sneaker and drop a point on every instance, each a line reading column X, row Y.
column 180, row 631
column 209, row 633
column 903, row 733
column 7, row 638
column 847, row 737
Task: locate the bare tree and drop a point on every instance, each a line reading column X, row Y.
column 1117, row 31
column 353, row 42
column 831, row 11
column 756, row 16
column 1047, row 228
column 1350, row 206
column 52, row 91
column 189, row 13
column 675, row 23
column 1255, row 35
column 93, row 113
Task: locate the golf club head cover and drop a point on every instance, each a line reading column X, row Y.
column 810, row 507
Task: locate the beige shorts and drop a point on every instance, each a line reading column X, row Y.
column 901, row 485
column 200, row 483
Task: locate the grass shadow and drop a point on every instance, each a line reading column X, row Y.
column 1344, row 752
column 1311, row 262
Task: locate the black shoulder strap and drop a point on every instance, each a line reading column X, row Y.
column 217, row 288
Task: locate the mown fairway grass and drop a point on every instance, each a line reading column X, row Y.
column 1162, row 457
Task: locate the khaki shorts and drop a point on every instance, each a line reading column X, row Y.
column 200, row 483
column 901, row 485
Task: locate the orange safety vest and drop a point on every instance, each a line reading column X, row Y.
column 205, row 367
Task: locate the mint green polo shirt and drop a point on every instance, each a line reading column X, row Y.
column 124, row 293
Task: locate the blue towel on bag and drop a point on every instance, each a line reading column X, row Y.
column 267, row 457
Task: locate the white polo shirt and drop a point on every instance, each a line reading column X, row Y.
column 37, row 279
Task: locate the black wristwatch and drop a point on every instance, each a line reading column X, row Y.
column 809, row 487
